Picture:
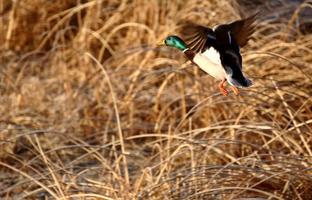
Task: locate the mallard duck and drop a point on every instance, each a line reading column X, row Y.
column 217, row 51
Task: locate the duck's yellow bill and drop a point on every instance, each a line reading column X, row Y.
column 161, row 43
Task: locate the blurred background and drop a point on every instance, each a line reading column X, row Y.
column 90, row 108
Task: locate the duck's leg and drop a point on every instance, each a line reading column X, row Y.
column 221, row 87
column 235, row 90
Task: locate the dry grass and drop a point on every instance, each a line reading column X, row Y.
column 91, row 109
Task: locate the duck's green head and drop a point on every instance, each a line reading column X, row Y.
column 174, row 41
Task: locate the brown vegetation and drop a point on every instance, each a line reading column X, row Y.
column 92, row 109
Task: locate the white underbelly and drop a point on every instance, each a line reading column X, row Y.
column 209, row 61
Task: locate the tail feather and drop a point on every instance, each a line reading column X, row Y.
column 245, row 82
column 248, row 83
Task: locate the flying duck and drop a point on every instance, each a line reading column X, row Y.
column 216, row 51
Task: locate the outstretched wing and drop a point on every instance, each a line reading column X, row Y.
column 197, row 37
column 240, row 30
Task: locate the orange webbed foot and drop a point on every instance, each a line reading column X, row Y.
column 222, row 89
column 224, row 92
column 235, row 90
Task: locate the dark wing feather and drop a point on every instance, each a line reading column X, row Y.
column 241, row 30
column 197, row 37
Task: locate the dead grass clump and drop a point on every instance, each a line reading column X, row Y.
column 261, row 180
column 92, row 109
